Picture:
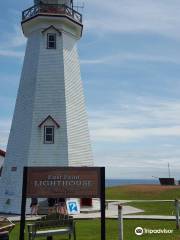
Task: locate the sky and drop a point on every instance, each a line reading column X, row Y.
column 130, row 65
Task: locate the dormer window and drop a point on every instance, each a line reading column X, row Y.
column 51, row 41
column 49, row 134
column 48, row 127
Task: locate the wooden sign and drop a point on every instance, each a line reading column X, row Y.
column 65, row 182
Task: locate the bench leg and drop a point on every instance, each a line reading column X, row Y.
column 29, row 236
column 69, row 236
column 50, row 238
column 74, row 233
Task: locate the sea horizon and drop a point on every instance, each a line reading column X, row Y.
column 121, row 182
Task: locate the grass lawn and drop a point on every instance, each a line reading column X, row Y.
column 90, row 230
column 143, row 192
column 154, row 208
column 147, row 192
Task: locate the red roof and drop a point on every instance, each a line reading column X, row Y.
column 2, row 153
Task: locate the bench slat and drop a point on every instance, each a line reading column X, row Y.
column 54, row 231
column 57, row 225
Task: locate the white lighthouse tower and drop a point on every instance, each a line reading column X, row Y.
column 50, row 125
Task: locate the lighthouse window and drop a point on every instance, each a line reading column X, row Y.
column 51, row 41
column 49, row 134
column 14, row 169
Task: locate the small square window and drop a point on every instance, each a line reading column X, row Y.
column 51, row 41
column 13, row 169
column 49, row 134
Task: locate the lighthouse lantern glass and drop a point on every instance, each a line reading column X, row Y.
column 66, row 2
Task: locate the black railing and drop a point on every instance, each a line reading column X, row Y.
column 51, row 9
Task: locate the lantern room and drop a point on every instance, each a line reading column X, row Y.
column 52, row 7
column 68, row 3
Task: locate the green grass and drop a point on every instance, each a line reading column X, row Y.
column 90, row 230
column 154, row 208
column 143, row 192
column 147, row 192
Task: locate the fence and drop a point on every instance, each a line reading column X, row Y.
column 175, row 214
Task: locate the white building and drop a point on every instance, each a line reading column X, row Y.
column 50, row 125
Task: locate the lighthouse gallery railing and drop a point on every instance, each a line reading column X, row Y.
column 53, row 9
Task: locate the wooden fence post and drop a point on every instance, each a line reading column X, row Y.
column 177, row 213
column 120, row 222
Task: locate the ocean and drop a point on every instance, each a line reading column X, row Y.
column 118, row 182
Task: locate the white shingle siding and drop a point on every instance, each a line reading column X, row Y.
column 79, row 148
column 49, row 100
column 50, row 85
column 18, row 144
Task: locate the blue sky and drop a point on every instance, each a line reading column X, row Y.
column 130, row 63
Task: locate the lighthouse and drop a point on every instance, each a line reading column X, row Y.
column 50, row 124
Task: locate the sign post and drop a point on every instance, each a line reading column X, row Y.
column 177, row 213
column 103, row 205
column 63, row 182
column 120, row 222
column 23, row 205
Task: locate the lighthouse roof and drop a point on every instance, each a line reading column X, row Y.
column 52, row 119
column 46, row 29
column 2, row 153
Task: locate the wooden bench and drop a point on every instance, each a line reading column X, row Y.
column 50, row 225
column 6, row 225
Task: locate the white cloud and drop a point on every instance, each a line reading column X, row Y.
column 7, row 104
column 125, row 134
column 137, row 139
column 12, row 41
column 11, row 53
column 124, row 57
column 4, row 132
column 138, row 120
column 160, row 17
column 143, row 163
column 17, row 38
